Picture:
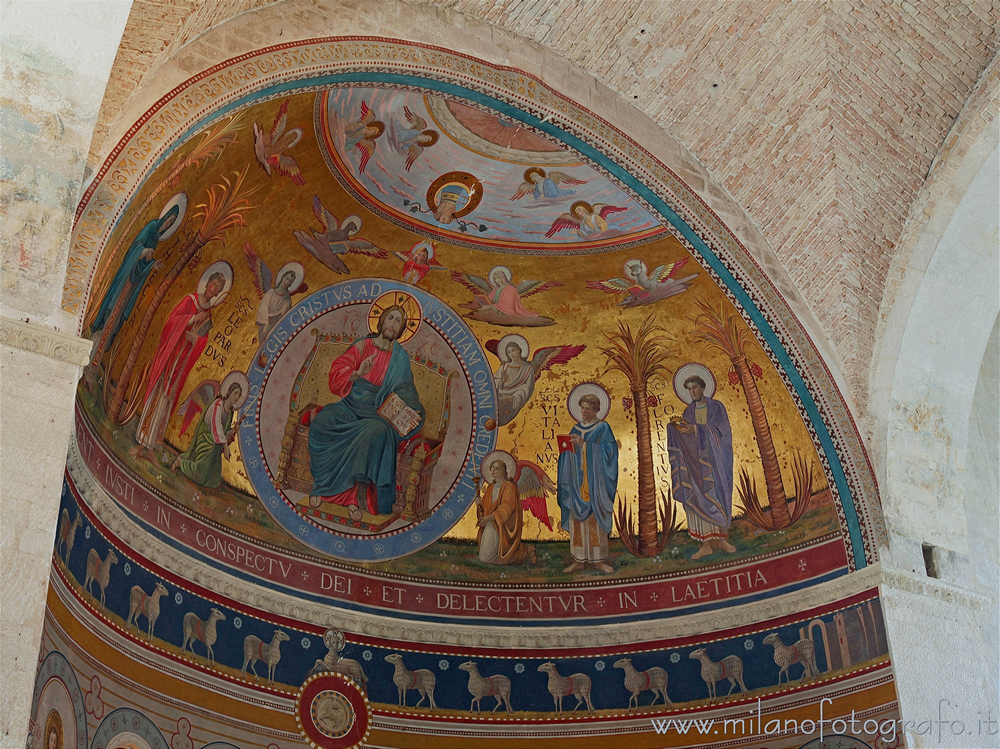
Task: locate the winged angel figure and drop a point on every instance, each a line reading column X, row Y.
column 361, row 135
column 584, row 219
column 512, row 487
column 498, row 301
column 515, row 379
column 270, row 148
column 641, row 287
column 540, row 185
column 274, row 291
column 337, row 237
column 418, row 262
column 411, row 141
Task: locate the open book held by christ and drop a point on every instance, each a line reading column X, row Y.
column 403, row 418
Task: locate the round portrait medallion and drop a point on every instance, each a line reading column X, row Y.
column 461, row 190
column 367, row 419
column 836, row 742
column 332, row 713
column 58, row 710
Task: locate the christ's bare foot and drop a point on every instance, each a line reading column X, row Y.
column 704, row 551
column 355, row 513
column 315, row 502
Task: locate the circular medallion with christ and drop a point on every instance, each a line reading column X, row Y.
column 364, row 425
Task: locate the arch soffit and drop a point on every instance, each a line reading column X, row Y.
column 972, row 140
column 951, row 316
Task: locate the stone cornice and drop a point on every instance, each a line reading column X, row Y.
column 28, row 336
column 930, row 587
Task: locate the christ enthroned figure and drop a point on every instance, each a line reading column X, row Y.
column 352, row 448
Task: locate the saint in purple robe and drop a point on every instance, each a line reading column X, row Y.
column 701, row 466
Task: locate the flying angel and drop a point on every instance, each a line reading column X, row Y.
column 584, row 219
column 411, row 141
column 498, row 301
column 540, row 185
column 516, row 377
column 269, row 149
column 336, row 237
column 362, row 134
column 418, row 262
column 642, row 288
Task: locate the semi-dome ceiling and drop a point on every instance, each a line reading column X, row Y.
column 391, row 359
column 485, row 181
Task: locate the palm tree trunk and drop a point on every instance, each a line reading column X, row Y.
column 765, row 443
column 648, row 537
column 192, row 248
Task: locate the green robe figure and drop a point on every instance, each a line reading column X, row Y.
column 202, row 461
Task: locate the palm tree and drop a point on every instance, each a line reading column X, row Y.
column 223, row 210
column 640, row 357
column 720, row 328
column 802, row 475
column 210, row 146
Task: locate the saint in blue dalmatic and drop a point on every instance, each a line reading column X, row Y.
column 587, row 483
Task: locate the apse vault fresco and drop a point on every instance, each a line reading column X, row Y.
column 406, row 395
